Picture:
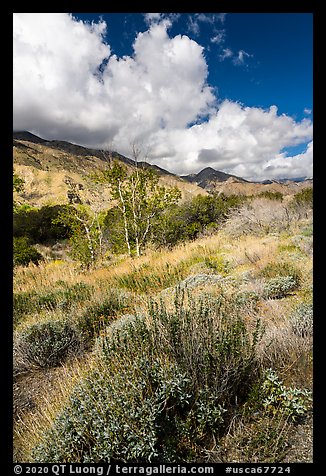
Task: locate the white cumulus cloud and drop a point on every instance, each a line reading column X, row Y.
column 69, row 86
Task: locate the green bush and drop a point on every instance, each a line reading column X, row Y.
column 292, row 402
column 307, row 231
column 38, row 223
column 29, row 302
column 24, row 253
column 302, row 320
column 98, row 315
column 48, row 344
column 188, row 220
column 271, row 195
column 64, row 298
column 279, row 287
column 282, row 269
column 304, row 198
column 217, row 263
column 162, row 387
column 23, row 303
column 247, row 299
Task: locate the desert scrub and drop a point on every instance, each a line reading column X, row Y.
column 277, row 398
column 218, row 264
column 147, row 278
column 162, row 388
column 247, row 299
column 282, row 269
column 254, row 440
column 279, row 287
column 97, row 315
column 46, row 344
column 23, row 303
column 24, row 252
column 302, row 320
column 63, row 298
column 260, row 431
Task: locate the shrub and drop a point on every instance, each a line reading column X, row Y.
column 247, row 299
column 24, row 253
column 145, row 278
column 64, row 298
column 262, row 439
column 28, row 302
column 48, row 344
column 23, row 303
column 271, row 195
column 217, row 263
column 187, row 221
column 38, row 224
column 307, row 231
column 282, row 269
column 161, row 389
column 279, row 287
column 259, row 217
column 302, row 320
column 292, row 402
column 98, row 315
column 304, row 198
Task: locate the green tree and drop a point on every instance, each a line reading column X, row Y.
column 18, row 183
column 140, row 200
column 24, row 253
column 188, row 220
column 86, row 232
column 38, row 223
column 18, row 186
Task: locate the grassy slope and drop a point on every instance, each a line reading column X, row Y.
column 50, row 173
column 243, row 259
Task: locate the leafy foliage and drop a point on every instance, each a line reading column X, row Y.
column 140, row 199
column 187, row 221
column 279, row 287
column 40, row 225
column 86, row 237
column 271, row 195
column 304, row 198
column 277, row 398
column 277, row 269
column 24, row 253
column 48, row 344
column 302, row 320
column 18, row 183
column 161, row 387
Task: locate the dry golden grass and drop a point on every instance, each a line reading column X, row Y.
column 47, row 172
column 29, row 426
column 247, row 255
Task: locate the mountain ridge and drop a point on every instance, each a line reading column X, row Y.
column 204, row 178
column 208, row 175
column 58, row 171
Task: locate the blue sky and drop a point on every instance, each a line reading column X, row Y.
column 227, row 90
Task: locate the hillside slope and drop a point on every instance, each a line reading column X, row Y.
column 58, row 172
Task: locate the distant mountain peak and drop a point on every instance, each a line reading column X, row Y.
column 28, row 136
column 208, row 176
